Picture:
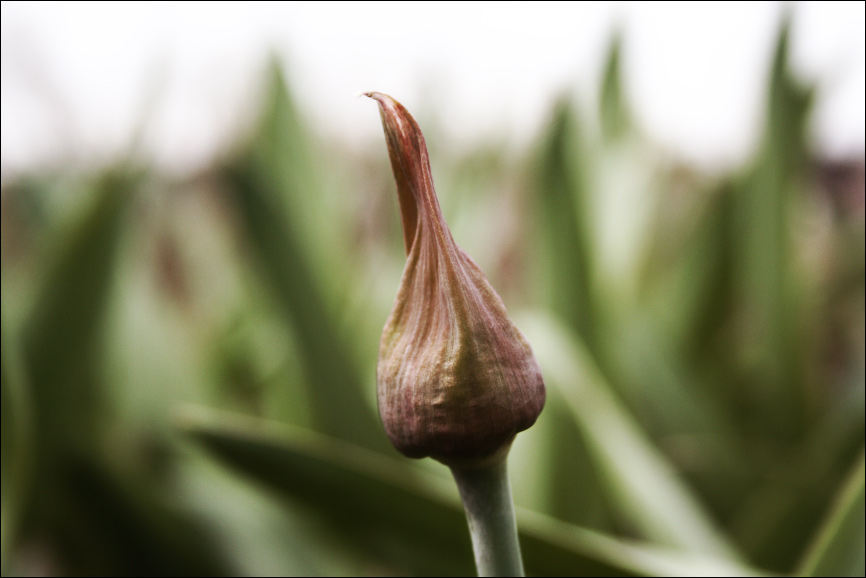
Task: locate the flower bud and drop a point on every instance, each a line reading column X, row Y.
column 456, row 379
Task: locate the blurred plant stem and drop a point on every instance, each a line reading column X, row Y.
column 486, row 496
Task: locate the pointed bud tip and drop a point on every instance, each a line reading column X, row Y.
column 385, row 101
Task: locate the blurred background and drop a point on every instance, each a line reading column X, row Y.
column 201, row 244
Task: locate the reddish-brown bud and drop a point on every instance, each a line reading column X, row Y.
column 456, row 379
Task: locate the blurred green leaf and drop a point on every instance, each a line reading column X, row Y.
column 60, row 346
column 777, row 518
column 567, row 483
column 773, row 324
column 261, row 187
column 17, row 432
column 412, row 520
column 839, row 548
column 564, row 227
column 690, row 269
column 374, row 501
column 94, row 521
column 613, row 109
column 643, row 487
column 61, row 336
column 117, row 526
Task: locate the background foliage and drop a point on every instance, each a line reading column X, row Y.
column 188, row 365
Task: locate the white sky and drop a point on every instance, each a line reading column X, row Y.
column 77, row 77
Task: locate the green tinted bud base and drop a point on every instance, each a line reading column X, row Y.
column 486, row 495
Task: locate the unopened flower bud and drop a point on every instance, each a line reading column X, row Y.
column 456, row 379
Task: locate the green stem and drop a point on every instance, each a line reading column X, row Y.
column 486, row 496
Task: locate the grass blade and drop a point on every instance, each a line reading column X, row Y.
column 565, row 225
column 17, row 431
column 272, row 185
column 61, row 335
column 838, row 548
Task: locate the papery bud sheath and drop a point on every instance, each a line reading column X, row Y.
column 456, row 379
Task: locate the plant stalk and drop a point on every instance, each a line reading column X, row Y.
column 486, row 495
